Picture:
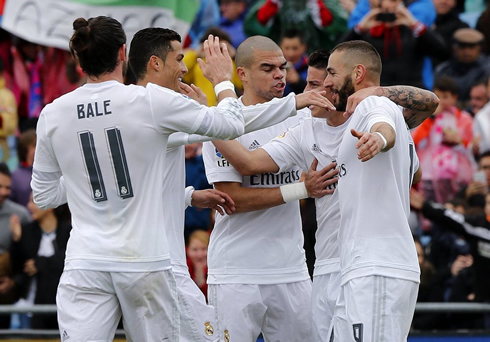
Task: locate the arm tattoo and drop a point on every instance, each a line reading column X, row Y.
column 419, row 103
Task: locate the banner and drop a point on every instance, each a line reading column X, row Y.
column 50, row 22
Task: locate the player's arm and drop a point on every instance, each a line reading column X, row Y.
column 250, row 199
column 418, row 104
column 47, row 182
column 381, row 138
column 246, row 162
column 417, row 177
column 209, row 198
column 257, row 116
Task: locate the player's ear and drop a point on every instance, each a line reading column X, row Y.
column 358, row 73
column 155, row 63
column 242, row 74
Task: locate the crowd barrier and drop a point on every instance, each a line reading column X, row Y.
column 416, row 336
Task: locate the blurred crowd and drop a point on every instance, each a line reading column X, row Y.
column 442, row 45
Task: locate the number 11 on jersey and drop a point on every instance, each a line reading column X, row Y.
column 118, row 161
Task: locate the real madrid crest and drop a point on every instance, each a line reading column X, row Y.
column 208, row 329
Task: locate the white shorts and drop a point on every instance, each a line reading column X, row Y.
column 324, row 294
column 197, row 319
column 280, row 311
column 90, row 305
column 374, row 309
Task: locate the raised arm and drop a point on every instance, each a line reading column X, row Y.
column 418, row 103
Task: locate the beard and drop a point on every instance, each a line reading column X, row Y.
column 345, row 91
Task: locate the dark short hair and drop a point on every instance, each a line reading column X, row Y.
column 4, row 170
column 96, row 43
column 319, row 59
column 217, row 32
column 151, row 41
column 446, row 83
column 293, row 33
column 361, row 52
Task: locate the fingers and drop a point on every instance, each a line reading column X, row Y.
column 201, row 63
column 185, row 88
column 313, row 165
column 355, row 133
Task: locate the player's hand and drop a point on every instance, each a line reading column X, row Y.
column 369, row 144
column 218, row 66
column 356, row 98
column 194, row 93
column 215, row 199
column 319, row 183
column 313, row 98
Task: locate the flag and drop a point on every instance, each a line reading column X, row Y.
column 50, row 22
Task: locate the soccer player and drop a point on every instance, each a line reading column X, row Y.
column 379, row 266
column 101, row 148
column 319, row 139
column 257, row 276
column 156, row 57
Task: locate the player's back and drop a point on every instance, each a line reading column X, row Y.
column 111, row 153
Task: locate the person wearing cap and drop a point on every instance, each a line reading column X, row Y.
column 467, row 64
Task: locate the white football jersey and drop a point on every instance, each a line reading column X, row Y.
column 313, row 138
column 109, row 142
column 374, row 235
column 259, row 247
column 256, row 117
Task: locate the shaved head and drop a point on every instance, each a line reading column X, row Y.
column 246, row 51
column 360, row 52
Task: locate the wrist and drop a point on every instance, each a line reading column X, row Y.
column 189, row 191
column 293, row 192
column 385, row 142
column 224, row 85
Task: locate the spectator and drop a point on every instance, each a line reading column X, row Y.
column 195, row 218
column 195, row 75
column 473, row 195
column 9, row 211
column 38, row 256
column 232, row 18
column 294, row 48
column 447, row 22
column 8, row 115
column 422, row 10
column 483, row 25
column 430, row 290
column 476, row 229
column 401, row 42
column 321, row 21
column 481, row 127
column 21, row 177
column 442, row 142
column 197, row 253
column 206, row 17
column 478, row 97
column 468, row 64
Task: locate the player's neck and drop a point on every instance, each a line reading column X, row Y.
column 337, row 119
